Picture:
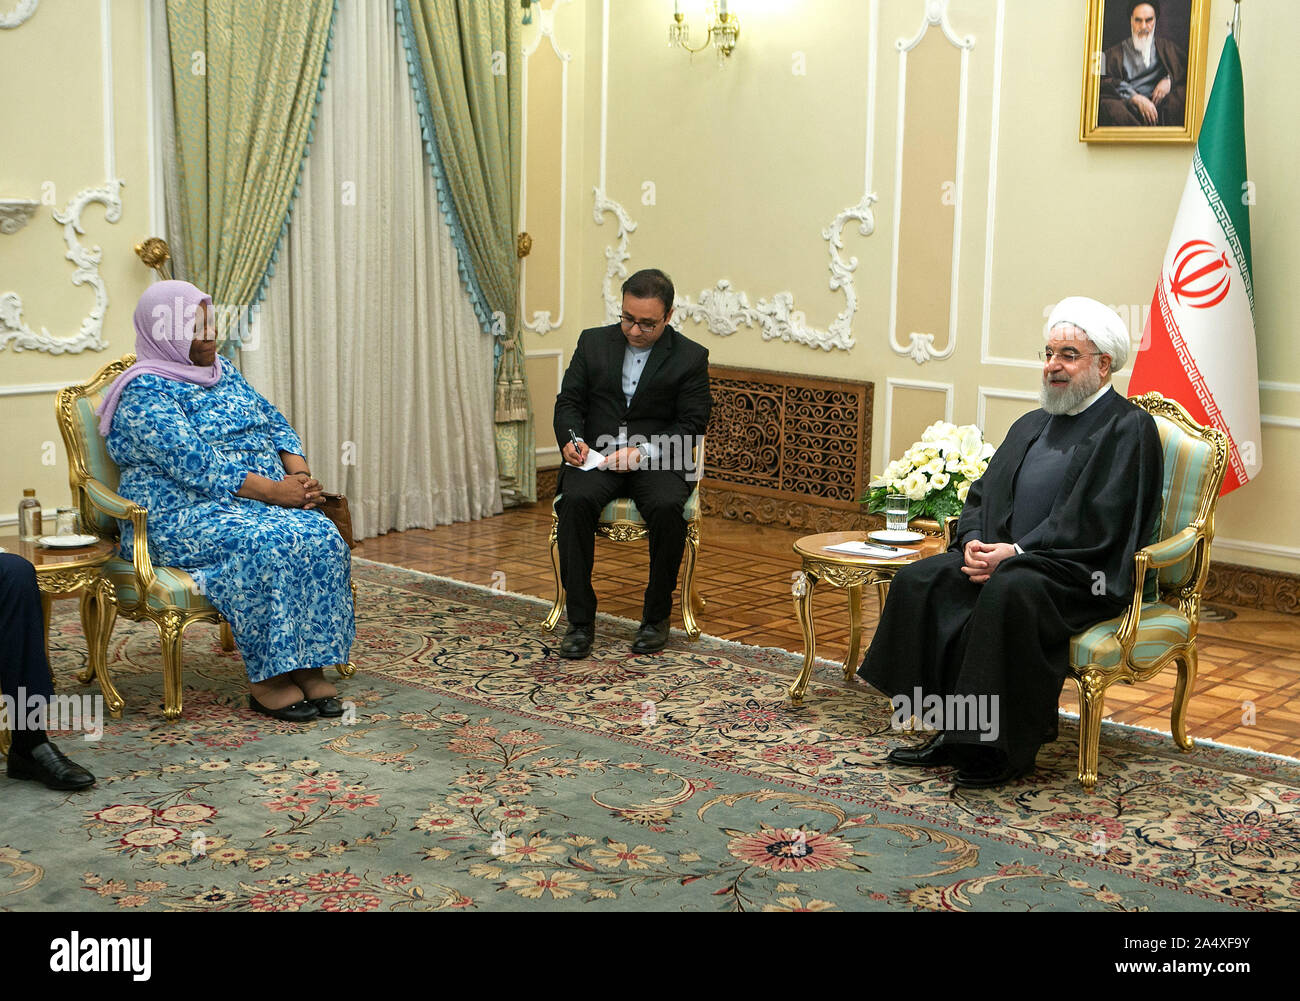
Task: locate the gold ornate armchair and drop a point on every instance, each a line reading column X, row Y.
column 620, row 521
column 1160, row 625
column 166, row 596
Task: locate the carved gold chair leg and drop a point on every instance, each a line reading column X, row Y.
column 1182, row 697
column 855, row 632
column 227, row 637
column 554, row 616
column 688, row 588
column 346, row 670
column 1092, row 707
column 98, row 646
column 4, row 733
column 90, row 614
column 171, row 629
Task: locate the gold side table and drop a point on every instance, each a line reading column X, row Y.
column 849, row 572
column 59, row 573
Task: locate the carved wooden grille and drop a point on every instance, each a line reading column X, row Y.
column 789, row 437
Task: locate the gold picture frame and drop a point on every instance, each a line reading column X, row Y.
column 1111, row 109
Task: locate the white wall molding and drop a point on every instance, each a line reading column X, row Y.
column 1278, row 421
column 724, row 309
column 1279, row 387
column 933, row 387
column 15, row 17
column 32, row 388
column 1246, row 546
column 542, row 321
column 13, row 328
column 985, row 394
column 549, row 451
column 920, row 346
column 14, row 213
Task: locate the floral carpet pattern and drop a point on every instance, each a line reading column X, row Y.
column 477, row 770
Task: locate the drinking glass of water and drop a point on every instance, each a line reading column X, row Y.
column 896, row 508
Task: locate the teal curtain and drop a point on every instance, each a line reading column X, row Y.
column 465, row 65
column 247, row 76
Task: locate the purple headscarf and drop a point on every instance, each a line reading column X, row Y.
column 164, row 329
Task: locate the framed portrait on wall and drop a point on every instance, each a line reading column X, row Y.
column 1144, row 70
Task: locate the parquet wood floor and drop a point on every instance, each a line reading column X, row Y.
column 745, row 575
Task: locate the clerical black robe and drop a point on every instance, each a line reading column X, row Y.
column 1007, row 640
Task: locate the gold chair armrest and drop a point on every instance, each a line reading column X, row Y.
column 1164, row 553
column 949, row 526
column 116, row 506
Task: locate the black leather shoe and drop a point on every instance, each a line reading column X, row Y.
column 299, row 712
column 932, row 754
column 329, row 706
column 46, row 763
column 990, row 775
column 651, row 637
column 577, row 642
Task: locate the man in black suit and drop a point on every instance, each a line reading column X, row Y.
column 25, row 680
column 636, row 391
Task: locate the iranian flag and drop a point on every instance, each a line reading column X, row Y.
column 1199, row 344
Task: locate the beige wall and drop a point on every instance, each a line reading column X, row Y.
column 750, row 163
column 53, row 121
column 733, row 175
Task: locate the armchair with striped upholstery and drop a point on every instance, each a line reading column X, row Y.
column 1159, row 627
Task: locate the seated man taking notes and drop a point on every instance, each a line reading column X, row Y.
column 636, row 391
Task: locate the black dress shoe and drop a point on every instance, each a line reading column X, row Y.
column 329, row 706
column 933, row 753
column 651, row 637
column 577, row 642
column 299, row 712
column 46, row 763
column 986, row 776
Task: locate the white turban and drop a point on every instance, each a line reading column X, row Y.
column 1101, row 323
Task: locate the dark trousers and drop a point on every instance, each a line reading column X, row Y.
column 1006, row 641
column 22, row 630
column 659, row 495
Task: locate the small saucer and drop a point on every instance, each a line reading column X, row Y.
column 67, row 541
column 884, row 535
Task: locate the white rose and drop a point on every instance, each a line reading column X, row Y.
column 933, row 468
column 939, row 480
column 963, row 488
column 916, row 486
column 953, row 464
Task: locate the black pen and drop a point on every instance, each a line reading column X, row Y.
column 573, row 439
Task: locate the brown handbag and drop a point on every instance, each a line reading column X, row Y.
column 335, row 508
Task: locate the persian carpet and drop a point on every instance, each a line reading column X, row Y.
column 476, row 769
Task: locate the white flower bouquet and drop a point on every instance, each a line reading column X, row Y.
column 935, row 474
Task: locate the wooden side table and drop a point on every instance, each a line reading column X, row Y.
column 59, row 573
column 849, row 572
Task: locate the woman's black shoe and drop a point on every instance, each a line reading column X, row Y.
column 299, row 712
column 329, row 706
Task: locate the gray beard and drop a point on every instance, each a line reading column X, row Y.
column 1143, row 46
column 1074, row 394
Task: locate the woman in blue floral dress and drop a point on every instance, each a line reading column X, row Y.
column 230, row 500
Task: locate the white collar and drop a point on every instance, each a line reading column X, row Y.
column 1088, row 402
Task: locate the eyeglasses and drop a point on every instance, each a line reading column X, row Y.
column 1069, row 355
column 646, row 326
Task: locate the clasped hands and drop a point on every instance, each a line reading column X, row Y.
column 982, row 558
column 625, row 460
column 1147, row 106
